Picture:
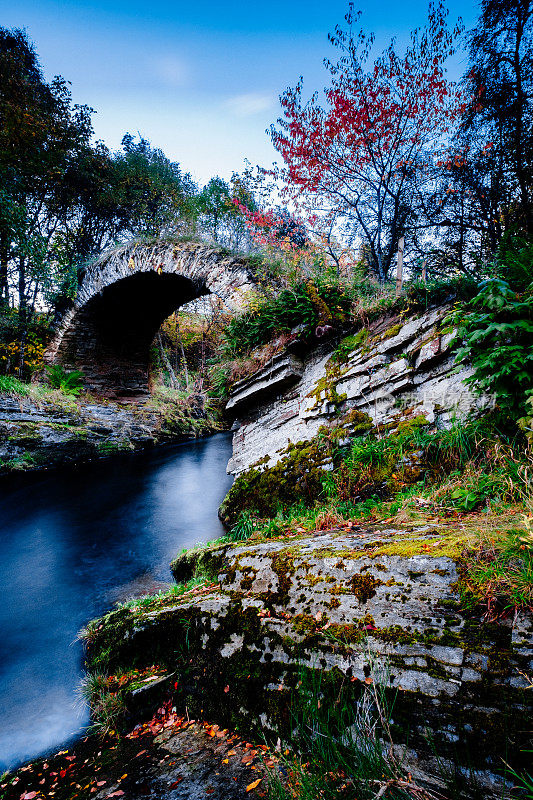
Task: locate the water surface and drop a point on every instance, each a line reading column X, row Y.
column 70, row 546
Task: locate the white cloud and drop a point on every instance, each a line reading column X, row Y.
column 172, row 70
column 246, row 105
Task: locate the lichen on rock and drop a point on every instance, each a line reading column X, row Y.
column 344, row 603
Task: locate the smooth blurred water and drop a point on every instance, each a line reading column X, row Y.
column 70, row 546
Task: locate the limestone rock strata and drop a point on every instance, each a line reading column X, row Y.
column 373, row 602
column 406, row 366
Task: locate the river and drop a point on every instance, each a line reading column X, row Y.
column 70, row 546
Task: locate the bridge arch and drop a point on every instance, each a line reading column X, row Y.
column 124, row 298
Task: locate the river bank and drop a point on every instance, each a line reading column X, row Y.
column 39, row 433
column 169, row 756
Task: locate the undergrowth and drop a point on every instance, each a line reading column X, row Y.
column 341, row 743
column 468, row 477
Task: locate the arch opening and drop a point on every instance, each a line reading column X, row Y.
column 111, row 336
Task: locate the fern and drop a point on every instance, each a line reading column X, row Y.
column 494, row 337
column 68, row 382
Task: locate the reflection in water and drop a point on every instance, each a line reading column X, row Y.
column 70, row 546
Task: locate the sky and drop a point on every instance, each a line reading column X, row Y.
column 200, row 79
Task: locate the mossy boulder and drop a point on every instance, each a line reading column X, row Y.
column 205, row 561
column 297, row 476
column 351, row 606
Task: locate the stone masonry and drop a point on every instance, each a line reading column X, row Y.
column 126, row 295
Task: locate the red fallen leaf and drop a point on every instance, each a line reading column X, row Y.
column 101, row 783
column 29, row 795
column 62, row 773
column 176, row 783
column 141, row 753
column 118, row 793
column 226, row 689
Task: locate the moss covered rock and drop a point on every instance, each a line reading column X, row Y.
column 354, row 605
column 296, row 476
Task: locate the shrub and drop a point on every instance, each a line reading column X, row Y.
column 11, row 385
column 69, row 382
column 494, row 331
column 308, row 304
column 514, row 262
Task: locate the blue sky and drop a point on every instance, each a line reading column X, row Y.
column 201, row 80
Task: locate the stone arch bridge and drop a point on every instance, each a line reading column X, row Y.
column 124, row 298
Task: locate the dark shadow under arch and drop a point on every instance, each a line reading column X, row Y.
column 112, row 333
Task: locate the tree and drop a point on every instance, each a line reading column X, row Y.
column 218, row 208
column 154, row 196
column 366, row 153
column 214, row 204
column 500, row 113
column 40, row 135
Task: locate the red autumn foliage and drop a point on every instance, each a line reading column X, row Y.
column 366, row 151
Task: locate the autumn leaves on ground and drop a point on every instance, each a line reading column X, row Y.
column 169, row 755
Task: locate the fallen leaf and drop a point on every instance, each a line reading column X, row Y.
column 253, row 785
column 176, row 783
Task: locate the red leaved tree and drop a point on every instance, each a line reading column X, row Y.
column 365, row 155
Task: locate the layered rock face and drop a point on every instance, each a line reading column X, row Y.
column 365, row 604
column 36, row 437
column 395, row 366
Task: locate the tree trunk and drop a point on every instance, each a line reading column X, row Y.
column 182, row 351
column 4, row 262
column 23, row 316
column 166, row 362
